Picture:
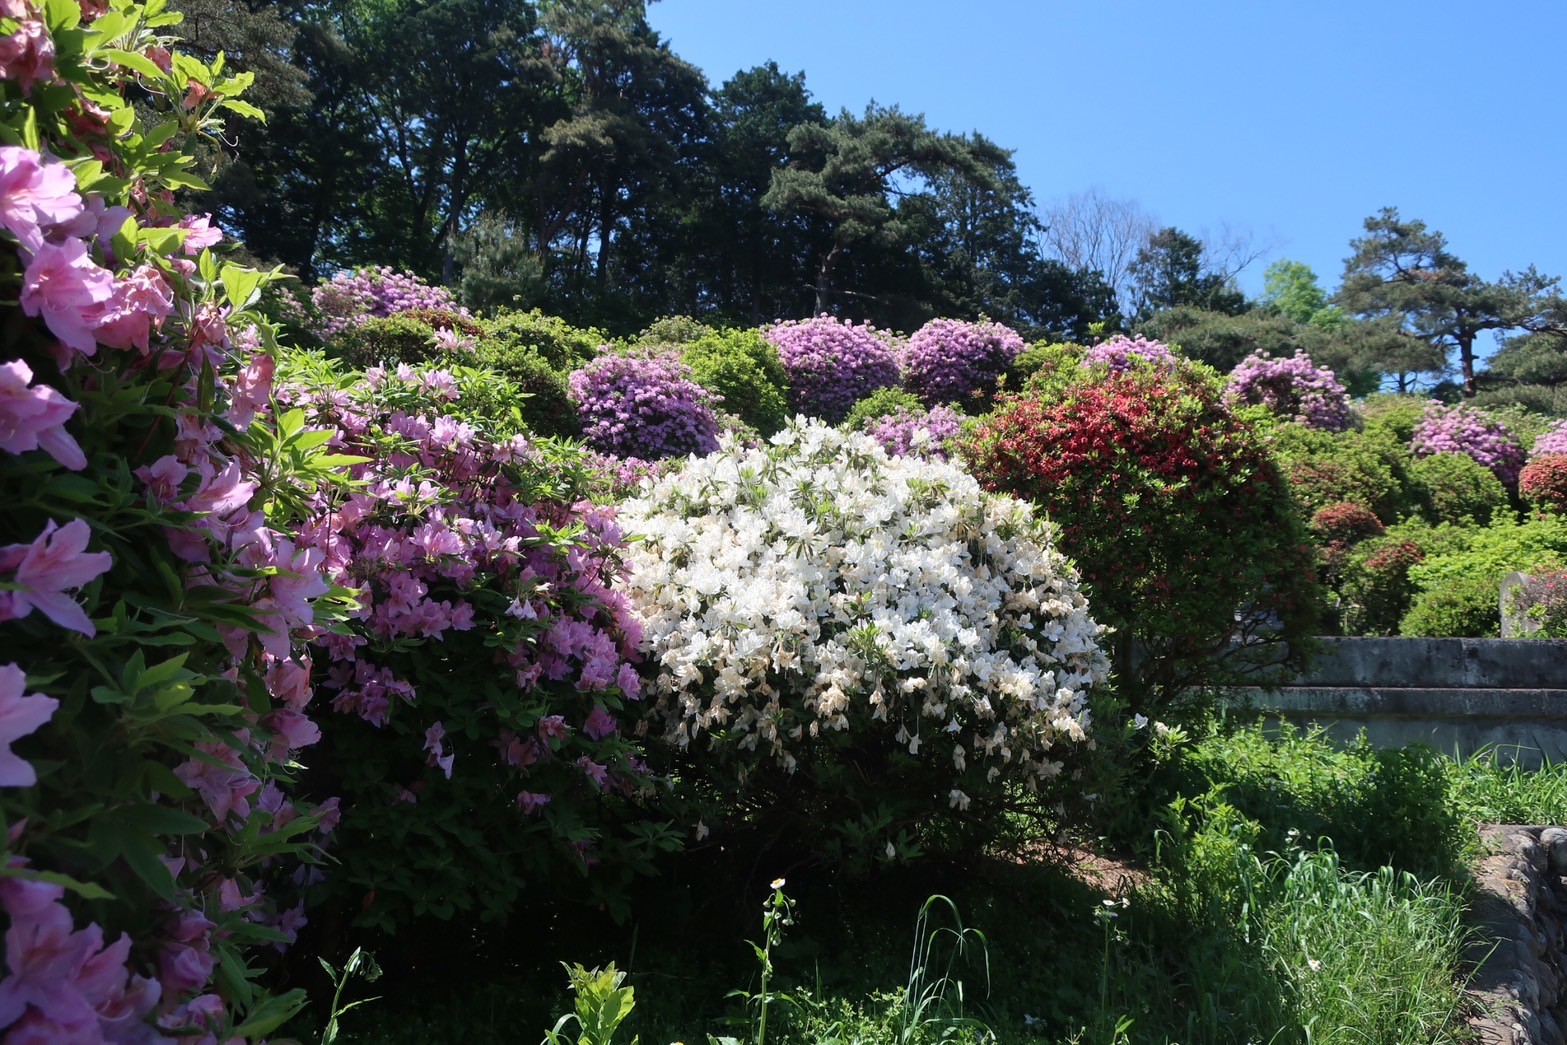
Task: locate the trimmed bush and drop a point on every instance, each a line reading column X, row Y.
column 544, row 402
column 948, row 361
column 832, row 365
column 351, row 298
column 1121, row 353
column 1368, row 467
column 1375, row 590
column 1551, row 441
column 924, row 434
column 1155, row 483
column 884, row 402
column 1044, row 365
column 644, row 406
column 1398, row 415
column 1294, row 388
column 673, row 332
column 1543, row 484
column 742, row 368
column 866, row 655
column 1455, row 488
column 1467, row 607
column 563, row 346
column 414, row 336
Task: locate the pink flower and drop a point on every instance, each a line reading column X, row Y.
column 20, row 715
column 46, row 569
column 33, row 418
column 434, row 738
column 531, row 802
column 251, row 391
column 600, row 723
column 201, row 234
column 162, row 478
column 139, row 304
column 222, row 780
column 63, row 284
column 27, row 55
column 34, row 195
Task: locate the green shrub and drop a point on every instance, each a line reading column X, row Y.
column 1369, row 468
column 1045, row 366
column 563, row 346
column 673, row 331
column 1494, row 552
column 1468, row 607
column 742, row 367
column 403, row 337
column 1375, row 589
column 884, row 402
column 547, row 407
column 1397, row 415
column 1455, row 488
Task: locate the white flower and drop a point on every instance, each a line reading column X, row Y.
column 701, row 831
column 1140, row 721
column 957, row 800
column 891, row 851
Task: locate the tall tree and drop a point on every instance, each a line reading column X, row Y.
column 1171, row 270
column 849, row 174
column 1089, row 231
column 1403, row 271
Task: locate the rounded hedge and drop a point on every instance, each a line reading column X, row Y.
column 950, row 362
column 742, row 368
column 560, row 344
column 1455, row 488
column 1543, row 483
column 832, row 364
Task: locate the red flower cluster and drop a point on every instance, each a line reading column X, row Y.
column 1543, row 484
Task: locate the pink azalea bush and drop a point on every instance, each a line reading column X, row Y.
column 1121, row 353
column 154, row 686
column 1295, row 389
column 350, row 298
column 644, row 405
column 484, row 692
column 1466, row 430
column 832, row 364
column 925, row 434
column 1551, row 441
column 950, row 361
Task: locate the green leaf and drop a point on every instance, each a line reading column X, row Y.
column 87, row 890
column 271, row 1013
column 137, row 63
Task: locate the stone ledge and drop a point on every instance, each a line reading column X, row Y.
column 1519, row 950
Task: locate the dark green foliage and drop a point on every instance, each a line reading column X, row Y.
column 560, row 344
column 497, row 270
column 1398, row 415
column 1368, row 467
column 884, row 402
column 743, row 368
column 1546, row 401
column 1454, row 488
column 1466, row 607
column 403, row 337
column 547, row 408
column 1171, row 271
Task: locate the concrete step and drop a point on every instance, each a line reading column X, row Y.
column 1302, row 702
column 1440, row 663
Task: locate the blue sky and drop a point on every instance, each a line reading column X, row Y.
column 1292, row 120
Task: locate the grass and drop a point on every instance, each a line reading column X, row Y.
column 1300, row 892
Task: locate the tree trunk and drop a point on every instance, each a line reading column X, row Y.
column 824, row 280
column 1466, row 357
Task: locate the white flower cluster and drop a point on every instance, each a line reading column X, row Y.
column 817, row 584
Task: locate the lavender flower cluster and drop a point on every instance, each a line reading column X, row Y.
column 644, row 405
column 922, row 435
column 1294, row 388
column 1121, row 353
column 350, row 298
column 950, row 361
column 1465, row 430
column 1551, row 441
column 832, row 365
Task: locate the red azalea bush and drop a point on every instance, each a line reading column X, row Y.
column 1376, row 588
column 1543, row 483
column 153, row 612
column 1178, row 518
column 482, row 688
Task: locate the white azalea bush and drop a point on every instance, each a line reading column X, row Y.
column 860, row 643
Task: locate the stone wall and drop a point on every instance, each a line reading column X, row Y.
column 1519, row 987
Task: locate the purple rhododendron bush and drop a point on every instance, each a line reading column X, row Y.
column 1293, row 388
column 484, row 693
column 154, row 685
column 866, row 656
column 832, row 364
column 949, row 362
column 644, row 405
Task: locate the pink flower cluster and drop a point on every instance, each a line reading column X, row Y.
column 1551, row 441
column 832, row 365
column 644, row 406
column 923, row 435
column 950, row 361
column 350, row 298
column 1121, row 353
column 1466, row 430
column 27, row 54
column 441, row 539
column 1294, row 388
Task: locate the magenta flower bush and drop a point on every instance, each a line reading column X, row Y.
column 481, row 690
column 644, row 405
column 1295, row 389
column 154, row 612
column 1465, row 430
column 923, row 435
column 1551, row 441
column 949, row 361
column 351, row 298
column 1120, row 353
column 832, row 365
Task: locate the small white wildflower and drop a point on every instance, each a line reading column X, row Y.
column 701, row 831
column 892, row 852
column 1140, row 722
column 957, row 799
